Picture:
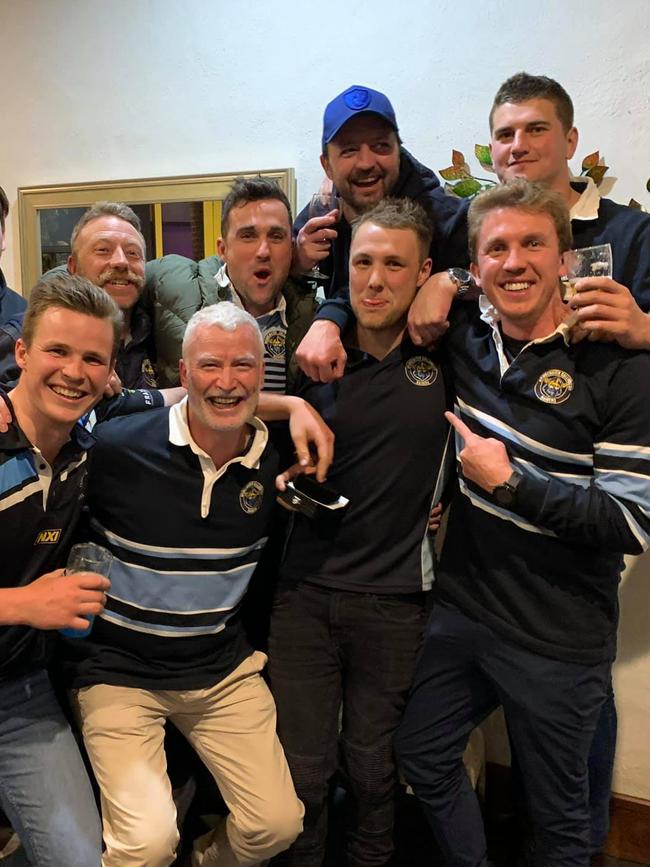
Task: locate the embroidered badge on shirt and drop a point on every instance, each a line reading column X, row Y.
column 149, row 373
column 420, row 370
column 274, row 342
column 48, row 537
column 554, row 386
column 250, row 497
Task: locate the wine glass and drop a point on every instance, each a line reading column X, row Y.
column 321, row 203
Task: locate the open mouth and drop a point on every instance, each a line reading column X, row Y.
column 72, row 394
column 262, row 274
column 225, row 402
column 118, row 285
column 120, row 279
column 519, row 286
column 366, row 183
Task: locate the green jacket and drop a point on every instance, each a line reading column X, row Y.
column 176, row 287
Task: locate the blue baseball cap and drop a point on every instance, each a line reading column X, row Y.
column 355, row 100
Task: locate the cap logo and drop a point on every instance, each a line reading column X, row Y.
column 357, row 98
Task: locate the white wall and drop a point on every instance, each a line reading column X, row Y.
column 143, row 88
column 139, row 88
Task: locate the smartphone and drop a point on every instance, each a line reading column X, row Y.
column 310, row 497
column 316, row 491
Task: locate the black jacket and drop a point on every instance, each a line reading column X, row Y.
column 417, row 182
column 11, row 303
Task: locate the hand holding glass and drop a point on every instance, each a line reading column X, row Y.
column 586, row 262
column 321, row 204
column 87, row 557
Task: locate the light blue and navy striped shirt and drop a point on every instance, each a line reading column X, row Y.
column 186, row 537
column 575, row 420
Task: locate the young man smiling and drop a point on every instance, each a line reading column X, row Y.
column 553, row 442
column 66, row 354
column 350, row 608
column 533, row 137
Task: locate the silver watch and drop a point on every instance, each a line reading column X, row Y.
column 462, row 279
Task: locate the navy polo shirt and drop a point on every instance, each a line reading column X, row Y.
column 39, row 509
column 186, row 537
column 391, row 437
column 575, row 419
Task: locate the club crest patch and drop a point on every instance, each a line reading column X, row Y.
column 274, row 341
column 149, row 373
column 420, row 370
column 250, row 497
column 554, row 386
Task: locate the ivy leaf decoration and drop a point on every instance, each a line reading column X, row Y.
column 634, row 204
column 590, row 162
column 597, row 173
column 467, row 187
column 457, row 159
column 455, row 173
column 483, row 155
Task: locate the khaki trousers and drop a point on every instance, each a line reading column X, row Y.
column 232, row 728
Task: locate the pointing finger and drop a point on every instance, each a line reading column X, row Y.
column 459, row 426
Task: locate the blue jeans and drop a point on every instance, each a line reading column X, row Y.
column 44, row 788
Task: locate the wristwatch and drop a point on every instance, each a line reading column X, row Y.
column 462, row 279
column 506, row 494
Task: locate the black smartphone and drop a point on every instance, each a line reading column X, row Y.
column 316, row 491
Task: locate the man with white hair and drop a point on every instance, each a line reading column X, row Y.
column 186, row 536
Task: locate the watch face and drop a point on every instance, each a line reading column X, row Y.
column 462, row 279
column 504, row 495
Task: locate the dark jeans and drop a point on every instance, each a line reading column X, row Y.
column 551, row 707
column 330, row 649
column 600, row 770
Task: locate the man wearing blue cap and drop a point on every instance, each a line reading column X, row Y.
column 363, row 156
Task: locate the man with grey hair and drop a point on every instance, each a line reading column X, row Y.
column 186, row 536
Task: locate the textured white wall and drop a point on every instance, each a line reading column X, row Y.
column 144, row 88
column 138, row 88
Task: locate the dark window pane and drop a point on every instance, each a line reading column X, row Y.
column 56, row 226
column 183, row 229
column 145, row 213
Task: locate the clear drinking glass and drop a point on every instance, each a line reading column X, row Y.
column 586, row 262
column 87, row 557
column 322, row 203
